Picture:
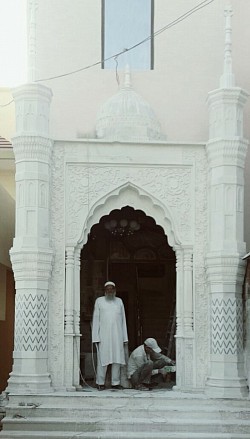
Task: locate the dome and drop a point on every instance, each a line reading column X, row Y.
column 126, row 116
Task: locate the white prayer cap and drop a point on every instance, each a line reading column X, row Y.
column 152, row 343
column 109, row 283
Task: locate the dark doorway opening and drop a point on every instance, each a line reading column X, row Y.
column 129, row 248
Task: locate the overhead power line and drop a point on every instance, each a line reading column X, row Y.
column 5, row 105
column 182, row 17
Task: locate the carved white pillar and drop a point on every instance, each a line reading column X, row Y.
column 188, row 292
column 31, row 254
column 179, row 318
column 226, row 152
column 188, row 320
column 179, row 292
column 77, row 319
column 69, row 320
column 184, row 312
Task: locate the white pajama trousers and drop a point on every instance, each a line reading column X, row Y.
column 101, row 373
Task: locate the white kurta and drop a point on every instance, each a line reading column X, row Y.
column 109, row 329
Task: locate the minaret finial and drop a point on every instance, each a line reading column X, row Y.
column 227, row 78
column 127, row 79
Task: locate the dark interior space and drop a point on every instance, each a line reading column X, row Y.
column 129, row 248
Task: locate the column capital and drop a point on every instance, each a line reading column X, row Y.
column 32, row 148
column 224, row 269
column 32, row 109
column 31, row 265
column 227, row 152
column 70, row 255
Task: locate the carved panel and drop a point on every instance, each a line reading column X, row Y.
column 86, row 185
column 189, row 370
column 56, row 294
column 240, row 199
column 31, row 316
column 201, row 322
column 227, row 326
column 43, row 195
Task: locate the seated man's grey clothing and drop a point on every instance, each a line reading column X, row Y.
column 141, row 366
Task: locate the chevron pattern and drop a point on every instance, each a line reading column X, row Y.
column 227, row 326
column 31, row 322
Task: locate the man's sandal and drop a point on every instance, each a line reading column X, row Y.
column 100, row 387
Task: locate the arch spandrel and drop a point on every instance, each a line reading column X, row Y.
column 136, row 197
column 168, row 188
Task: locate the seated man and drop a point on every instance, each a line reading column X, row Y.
column 146, row 360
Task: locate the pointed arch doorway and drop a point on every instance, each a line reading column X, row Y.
column 128, row 247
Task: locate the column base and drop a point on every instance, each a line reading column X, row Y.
column 226, row 388
column 29, row 384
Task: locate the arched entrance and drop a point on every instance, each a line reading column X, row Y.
column 128, row 247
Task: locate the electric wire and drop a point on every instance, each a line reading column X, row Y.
column 182, row 17
column 5, row 105
column 116, row 70
column 80, row 372
column 179, row 19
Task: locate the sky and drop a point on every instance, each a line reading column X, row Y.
column 13, row 43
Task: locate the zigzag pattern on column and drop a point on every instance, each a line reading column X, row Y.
column 227, row 326
column 31, row 322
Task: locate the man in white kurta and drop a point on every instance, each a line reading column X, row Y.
column 109, row 333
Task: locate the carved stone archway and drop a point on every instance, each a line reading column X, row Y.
column 136, row 197
column 129, row 194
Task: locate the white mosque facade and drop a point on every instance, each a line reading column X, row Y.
column 106, row 187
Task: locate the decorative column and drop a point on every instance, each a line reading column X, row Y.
column 184, row 319
column 69, row 320
column 226, row 152
column 179, row 319
column 31, row 254
column 77, row 319
column 188, row 292
column 247, row 315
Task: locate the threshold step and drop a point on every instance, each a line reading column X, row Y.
column 116, row 435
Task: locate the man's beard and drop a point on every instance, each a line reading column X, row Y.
column 110, row 296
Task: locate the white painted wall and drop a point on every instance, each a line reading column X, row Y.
column 188, row 64
column 7, row 180
column 7, row 190
column 7, row 113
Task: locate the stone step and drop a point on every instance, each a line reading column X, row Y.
column 125, row 414
column 172, row 411
column 152, row 424
column 115, row 435
column 127, row 398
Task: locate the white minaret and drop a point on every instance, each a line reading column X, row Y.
column 32, row 6
column 31, row 254
column 226, row 152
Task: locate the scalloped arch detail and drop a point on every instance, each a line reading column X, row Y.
column 133, row 196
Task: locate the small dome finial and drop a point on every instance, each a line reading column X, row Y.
column 227, row 78
column 127, row 78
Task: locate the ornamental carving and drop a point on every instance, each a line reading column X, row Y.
column 56, row 294
column 77, row 189
column 197, row 157
column 227, row 326
column 31, row 316
column 86, row 185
